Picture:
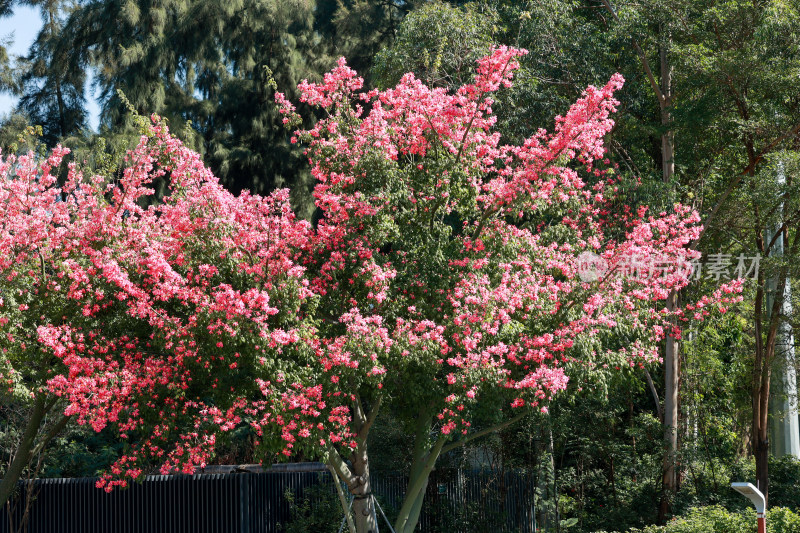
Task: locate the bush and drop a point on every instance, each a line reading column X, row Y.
column 784, row 490
column 316, row 508
column 716, row 519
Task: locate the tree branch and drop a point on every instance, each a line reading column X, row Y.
column 653, row 390
column 55, row 430
column 738, row 178
column 483, row 432
column 351, row 527
column 334, row 460
column 370, row 419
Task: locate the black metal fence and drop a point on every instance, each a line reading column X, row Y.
column 456, row 500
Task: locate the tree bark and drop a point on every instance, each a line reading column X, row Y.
column 24, row 452
column 351, row 527
column 364, row 514
column 672, row 387
column 422, row 464
column 671, row 348
column 783, row 428
column 665, row 103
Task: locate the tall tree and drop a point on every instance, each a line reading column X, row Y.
column 410, row 186
column 52, row 80
column 721, row 73
column 6, row 78
column 755, row 112
column 662, row 87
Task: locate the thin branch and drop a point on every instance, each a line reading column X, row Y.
column 479, row 434
column 55, row 430
column 779, row 232
column 358, row 412
column 653, row 390
column 370, row 419
column 334, row 460
column 738, row 178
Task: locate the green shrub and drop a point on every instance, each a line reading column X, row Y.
column 716, row 519
column 784, row 490
column 316, row 509
column 782, row 520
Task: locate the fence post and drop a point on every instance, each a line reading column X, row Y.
column 244, row 502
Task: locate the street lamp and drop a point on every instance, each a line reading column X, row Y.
column 754, row 495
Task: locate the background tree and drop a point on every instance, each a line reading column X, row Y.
column 6, row 77
column 439, row 43
column 752, row 117
column 207, row 63
column 52, row 81
column 724, row 92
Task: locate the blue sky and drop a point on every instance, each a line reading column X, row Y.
column 23, row 25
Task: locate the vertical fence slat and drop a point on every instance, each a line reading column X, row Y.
column 256, row 503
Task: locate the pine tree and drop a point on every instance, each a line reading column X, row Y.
column 6, row 79
column 51, row 83
column 210, row 64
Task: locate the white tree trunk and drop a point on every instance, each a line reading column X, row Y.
column 784, row 431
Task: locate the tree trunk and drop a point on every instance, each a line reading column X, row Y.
column 665, row 96
column 761, row 452
column 357, row 477
column 784, row 436
column 24, row 452
column 421, row 467
column 760, row 424
column 548, row 500
column 668, row 137
column 672, row 387
column 671, row 349
column 363, row 505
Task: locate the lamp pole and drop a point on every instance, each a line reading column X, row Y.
column 749, row 491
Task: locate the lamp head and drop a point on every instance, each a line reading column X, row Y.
column 752, row 493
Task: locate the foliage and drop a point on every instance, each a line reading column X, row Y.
column 317, row 509
column 431, row 284
column 439, row 43
column 715, row 519
column 51, row 80
column 6, row 75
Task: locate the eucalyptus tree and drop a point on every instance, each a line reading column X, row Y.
column 732, row 69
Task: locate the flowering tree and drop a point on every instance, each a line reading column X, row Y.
column 446, row 265
column 150, row 319
column 444, row 281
